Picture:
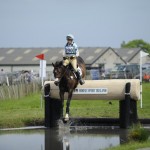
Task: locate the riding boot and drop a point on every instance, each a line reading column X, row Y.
column 79, row 78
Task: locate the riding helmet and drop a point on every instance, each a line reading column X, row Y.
column 70, row 36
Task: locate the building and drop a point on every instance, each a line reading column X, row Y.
column 131, row 55
column 17, row 59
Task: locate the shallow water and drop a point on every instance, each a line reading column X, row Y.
column 64, row 138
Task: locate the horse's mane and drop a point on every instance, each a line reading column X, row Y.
column 80, row 60
column 58, row 63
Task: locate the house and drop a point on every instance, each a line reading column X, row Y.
column 17, row 59
column 131, row 55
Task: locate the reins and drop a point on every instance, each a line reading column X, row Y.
column 63, row 73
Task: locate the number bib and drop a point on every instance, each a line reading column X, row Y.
column 70, row 49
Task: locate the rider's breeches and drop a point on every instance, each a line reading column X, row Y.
column 73, row 62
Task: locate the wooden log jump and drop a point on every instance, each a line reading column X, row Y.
column 127, row 91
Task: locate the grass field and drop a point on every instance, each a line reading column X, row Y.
column 27, row 111
column 132, row 146
column 24, row 112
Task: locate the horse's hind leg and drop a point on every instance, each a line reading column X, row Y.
column 62, row 102
column 68, row 105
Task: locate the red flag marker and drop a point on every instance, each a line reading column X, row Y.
column 40, row 56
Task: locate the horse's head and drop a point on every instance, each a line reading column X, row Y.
column 58, row 69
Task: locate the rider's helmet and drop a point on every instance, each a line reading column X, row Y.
column 70, row 37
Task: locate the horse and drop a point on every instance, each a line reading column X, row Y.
column 67, row 81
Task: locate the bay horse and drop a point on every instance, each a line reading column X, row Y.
column 67, row 81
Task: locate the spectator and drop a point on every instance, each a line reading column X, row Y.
column 102, row 73
column 2, row 77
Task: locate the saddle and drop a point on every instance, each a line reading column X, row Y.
column 73, row 71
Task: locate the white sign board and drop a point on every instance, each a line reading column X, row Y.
column 42, row 68
column 91, row 91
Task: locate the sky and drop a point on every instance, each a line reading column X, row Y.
column 94, row 23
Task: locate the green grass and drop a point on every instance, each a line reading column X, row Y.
column 94, row 108
column 145, row 111
column 132, row 146
column 24, row 112
column 27, row 111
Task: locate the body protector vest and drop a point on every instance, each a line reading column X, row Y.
column 71, row 49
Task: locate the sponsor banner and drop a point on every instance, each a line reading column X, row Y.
column 91, row 91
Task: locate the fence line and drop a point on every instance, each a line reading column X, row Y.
column 19, row 90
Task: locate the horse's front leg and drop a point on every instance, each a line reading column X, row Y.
column 68, row 105
column 61, row 93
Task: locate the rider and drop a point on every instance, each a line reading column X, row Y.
column 69, row 56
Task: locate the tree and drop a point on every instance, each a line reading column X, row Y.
column 137, row 44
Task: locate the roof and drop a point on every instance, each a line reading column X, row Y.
column 127, row 54
column 90, row 55
column 26, row 56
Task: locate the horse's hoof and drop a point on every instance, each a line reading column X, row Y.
column 66, row 117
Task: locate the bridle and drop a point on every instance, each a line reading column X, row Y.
column 60, row 73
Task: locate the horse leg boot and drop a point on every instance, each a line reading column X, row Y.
column 67, row 110
column 62, row 103
column 68, row 104
column 81, row 81
column 56, row 82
